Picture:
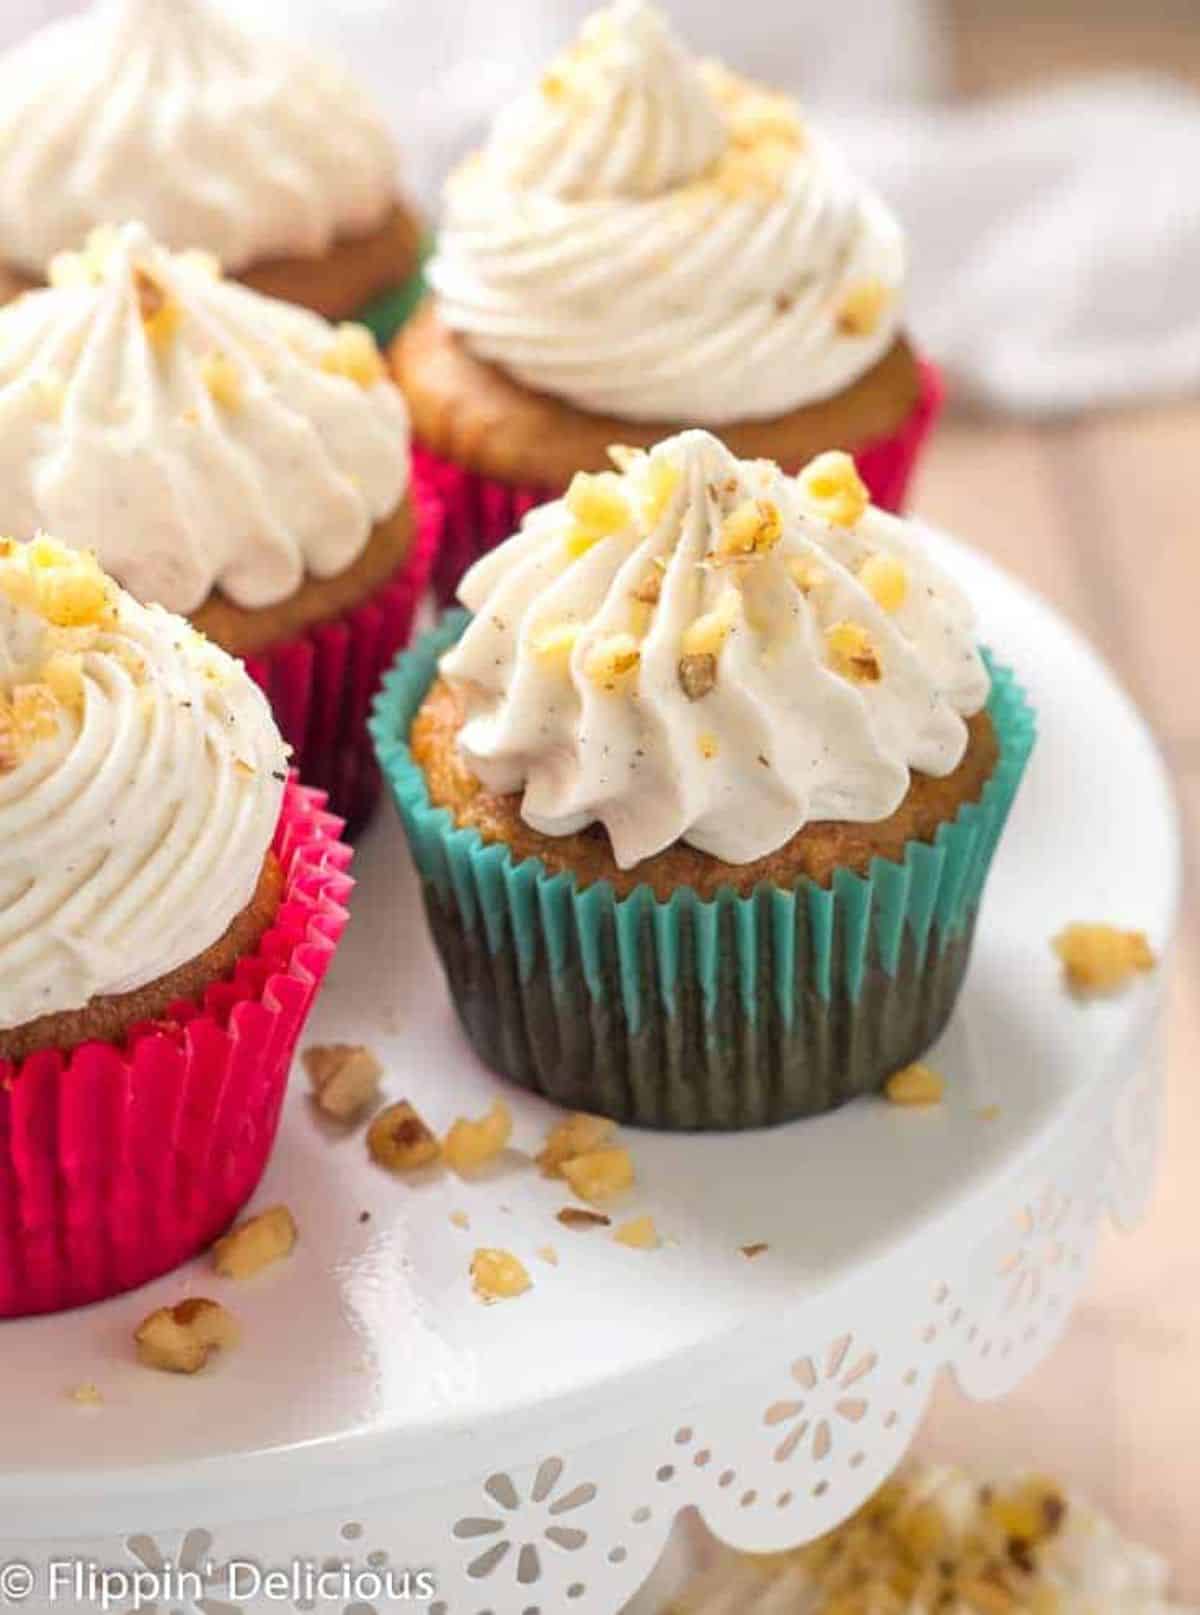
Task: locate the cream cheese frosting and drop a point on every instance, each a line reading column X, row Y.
column 141, row 778
column 199, row 435
column 652, row 237
column 934, row 1541
column 164, row 110
column 703, row 649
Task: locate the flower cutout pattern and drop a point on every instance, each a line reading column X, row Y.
column 522, row 1526
column 1040, row 1252
column 832, row 1396
column 195, row 1557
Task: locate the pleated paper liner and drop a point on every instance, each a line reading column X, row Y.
column 730, row 1013
column 120, row 1161
column 385, row 314
column 481, row 512
column 321, row 683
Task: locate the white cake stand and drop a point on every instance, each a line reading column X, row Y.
column 533, row 1454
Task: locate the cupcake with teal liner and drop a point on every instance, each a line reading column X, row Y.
column 704, row 794
column 264, row 153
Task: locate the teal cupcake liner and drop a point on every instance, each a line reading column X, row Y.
column 729, row 1012
column 385, row 314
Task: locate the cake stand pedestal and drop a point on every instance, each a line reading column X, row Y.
column 533, row 1454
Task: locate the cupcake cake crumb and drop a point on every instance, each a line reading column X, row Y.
column 469, row 1144
column 87, row 1395
column 574, row 1135
column 600, row 1174
column 639, row 1233
column 916, row 1085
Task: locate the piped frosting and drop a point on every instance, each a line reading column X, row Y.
column 165, row 110
column 198, row 435
column 650, row 236
column 141, row 778
column 695, row 648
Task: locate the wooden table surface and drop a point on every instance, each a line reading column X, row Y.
column 1097, row 514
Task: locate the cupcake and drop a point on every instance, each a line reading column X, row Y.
column 169, row 902
column 704, row 795
column 265, row 155
column 648, row 242
column 232, row 457
column 934, row 1538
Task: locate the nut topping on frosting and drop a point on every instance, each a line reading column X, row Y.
column 141, row 776
column 655, row 238
column 257, row 444
column 786, row 619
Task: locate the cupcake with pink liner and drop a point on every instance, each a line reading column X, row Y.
column 648, row 242
column 234, row 458
column 170, row 899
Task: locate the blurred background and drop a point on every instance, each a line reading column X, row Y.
column 1045, row 157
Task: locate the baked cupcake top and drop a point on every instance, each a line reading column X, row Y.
column 695, row 648
column 164, row 110
column 141, row 777
column 199, row 435
column 651, row 237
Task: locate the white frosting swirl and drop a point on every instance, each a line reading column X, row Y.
column 197, row 434
column 164, row 110
column 141, row 777
column 632, row 662
column 658, row 240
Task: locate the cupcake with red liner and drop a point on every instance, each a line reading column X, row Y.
column 648, row 242
column 233, row 458
column 258, row 150
column 169, row 903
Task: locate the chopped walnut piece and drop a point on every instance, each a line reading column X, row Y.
column 706, row 634
column 833, row 488
column 708, row 746
column 600, row 1174
column 576, row 1134
column 886, row 580
column 611, row 660
column 180, row 1339
column 649, row 590
column 548, row 1255
column 852, row 653
column 639, row 1233
column 805, row 573
column 345, row 1078
column 752, row 528
column 755, row 1249
column 916, row 1084
column 579, row 1218
column 255, row 1243
column 354, row 355
column 159, row 311
column 552, row 646
column 400, row 1141
column 460, row 1219
column 469, row 1144
column 863, row 306
column 1099, row 959
column 697, row 675
column 498, row 1275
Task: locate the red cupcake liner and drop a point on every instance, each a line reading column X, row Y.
column 321, row 683
column 480, row 512
column 120, row 1161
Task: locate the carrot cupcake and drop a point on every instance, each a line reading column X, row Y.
column 232, row 457
column 704, row 795
column 649, row 239
column 263, row 154
column 169, row 902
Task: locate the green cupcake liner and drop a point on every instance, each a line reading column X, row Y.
column 722, row 1013
column 385, row 314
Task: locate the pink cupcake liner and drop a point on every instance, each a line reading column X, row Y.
column 119, row 1162
column 480, row 512
column 321, row 683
